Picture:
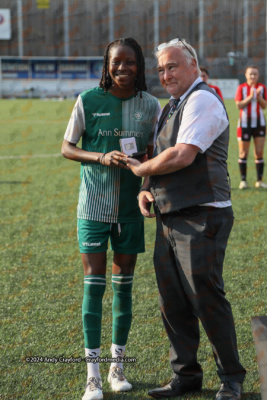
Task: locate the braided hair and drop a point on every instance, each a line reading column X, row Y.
column 140, row 80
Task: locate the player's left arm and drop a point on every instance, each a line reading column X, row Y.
column 262, row 96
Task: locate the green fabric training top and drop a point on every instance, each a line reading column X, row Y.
column 109, row 194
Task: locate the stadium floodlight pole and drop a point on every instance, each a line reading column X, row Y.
column 201, row 29
column 111, row 20
column 66, row 29
column 20, row 27
column 245, row 28
column 156, row 23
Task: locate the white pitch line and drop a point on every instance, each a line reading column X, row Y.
column 30, row 156
column 19, row 121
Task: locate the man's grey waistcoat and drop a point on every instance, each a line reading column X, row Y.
column 204, row 181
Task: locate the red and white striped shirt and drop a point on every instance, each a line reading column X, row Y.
column 252, row 115
column 217, row 90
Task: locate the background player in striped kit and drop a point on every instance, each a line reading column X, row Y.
column 251, row 99
column 107, row 206
column 204, row 74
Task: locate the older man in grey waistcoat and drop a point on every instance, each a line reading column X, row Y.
column 188, row 182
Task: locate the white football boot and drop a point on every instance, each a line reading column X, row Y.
column 93, row 389
column 260, row 184
column 117, row 380
column 243, row 185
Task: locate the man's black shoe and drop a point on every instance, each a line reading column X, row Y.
column 173, row 388
column 229, row 391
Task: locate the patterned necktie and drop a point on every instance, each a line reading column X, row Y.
column 172, row 109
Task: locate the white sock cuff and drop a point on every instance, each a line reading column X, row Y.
column 92, row 353
column 92, row 368
column 117, row 350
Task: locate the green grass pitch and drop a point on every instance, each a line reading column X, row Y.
column 42, row 279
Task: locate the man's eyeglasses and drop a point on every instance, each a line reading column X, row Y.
column 174, row 41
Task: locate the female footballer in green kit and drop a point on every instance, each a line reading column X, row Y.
column 107, row 208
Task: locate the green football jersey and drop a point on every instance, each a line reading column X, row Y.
column 109, row 194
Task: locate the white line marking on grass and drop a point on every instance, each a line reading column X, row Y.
column 12, row 121
column 30, row 156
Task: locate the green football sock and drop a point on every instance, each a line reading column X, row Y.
column 94, row 288
column 121, row 307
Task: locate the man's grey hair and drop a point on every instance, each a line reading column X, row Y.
column 186, row 48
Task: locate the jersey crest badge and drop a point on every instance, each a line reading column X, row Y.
column 138, row 115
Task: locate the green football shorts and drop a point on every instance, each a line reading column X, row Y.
column 125, row 238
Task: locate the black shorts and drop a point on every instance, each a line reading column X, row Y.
column 245, row 134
